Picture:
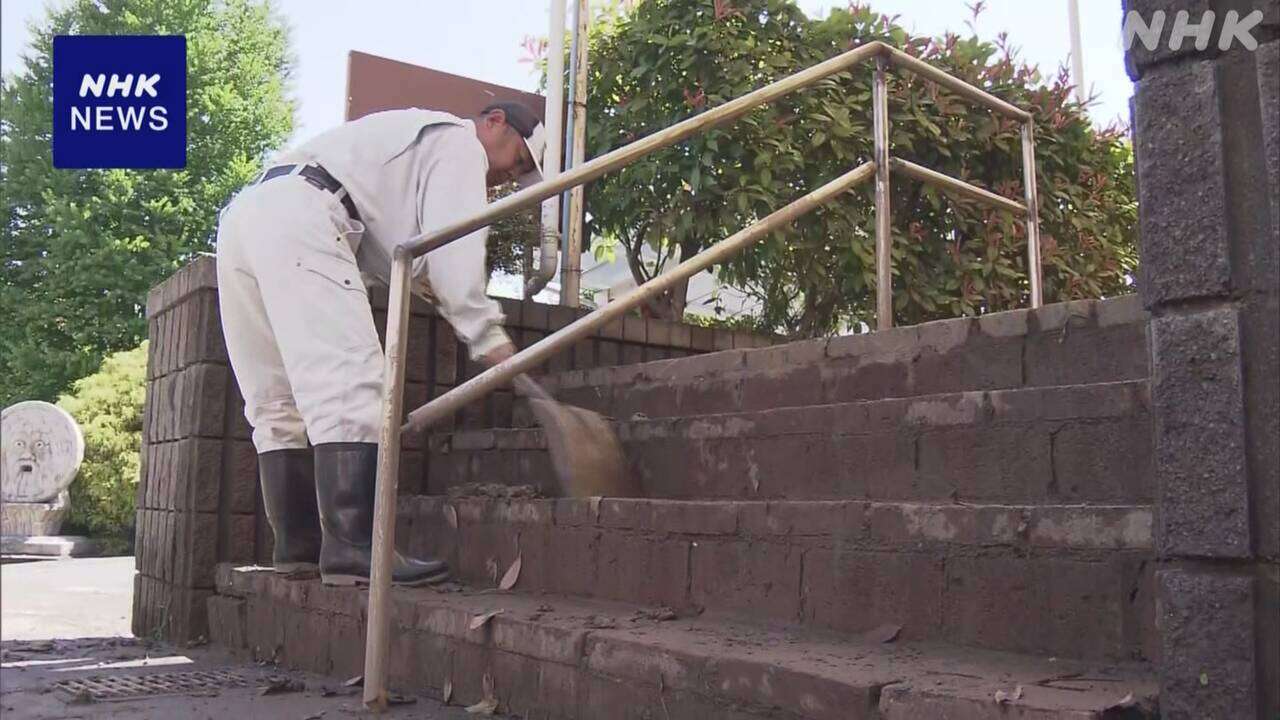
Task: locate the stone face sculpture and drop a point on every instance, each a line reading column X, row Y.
column 41, row 448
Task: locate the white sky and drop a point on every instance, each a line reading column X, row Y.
column 481, row 39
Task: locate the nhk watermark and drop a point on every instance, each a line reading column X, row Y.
column 119, row 101
column 1151, row 28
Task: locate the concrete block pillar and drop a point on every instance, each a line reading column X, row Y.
column 1207, row 144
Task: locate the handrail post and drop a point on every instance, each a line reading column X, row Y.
column 384, row 507
column 884, row 236
column 1033, row 212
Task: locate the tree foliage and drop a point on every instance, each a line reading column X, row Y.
column 83, row 247
column 509, row 236
column 108, row 407
column 672, row 59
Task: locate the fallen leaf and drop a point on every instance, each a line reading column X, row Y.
column 447, row 692
column 659, row 614
column 314, row 716
column 478, row 621
column 398, row 699
column 489, row 704
column 1123, row 703
column 357, row 681
column 451, row 513
column 492, row 566
column 1002, row 697
column 512, row 575
column 883, row 634
column 1017, row 693
column 278, row 684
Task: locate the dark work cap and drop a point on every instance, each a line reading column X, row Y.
column 524, row 121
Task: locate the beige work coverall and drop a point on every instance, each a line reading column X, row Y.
column 295, row 311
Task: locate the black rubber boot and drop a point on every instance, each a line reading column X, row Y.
column 289, row 495
column 345, row 485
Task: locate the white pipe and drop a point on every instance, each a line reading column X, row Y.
column 1077, row 53
column 551, row 159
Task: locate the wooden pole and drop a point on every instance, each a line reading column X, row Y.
column 1033, row 212
column 628, row 154
column 884, row 234
column 535, row 355
column 959, row 187
column 955, row 85
column 384, row 507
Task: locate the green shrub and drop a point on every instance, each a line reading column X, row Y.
column 669, row 60
column 108, row 406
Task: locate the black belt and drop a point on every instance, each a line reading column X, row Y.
column 317, row 176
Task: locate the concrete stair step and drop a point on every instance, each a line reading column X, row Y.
column 1066, row 580
column 1073, row 343
column 1068, row 444
column 556, row 657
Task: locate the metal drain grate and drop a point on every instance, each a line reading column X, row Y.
column 103, row 688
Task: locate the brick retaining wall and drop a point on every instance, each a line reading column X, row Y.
column 198, row 501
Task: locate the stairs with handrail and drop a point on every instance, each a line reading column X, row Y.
column 894, row 525
column 945, row 521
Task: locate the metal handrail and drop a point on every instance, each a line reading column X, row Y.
column 881, row 167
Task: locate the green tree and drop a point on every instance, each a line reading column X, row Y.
column 83, row 247
column 671, row 59
column 509, row 236
column 108, row 407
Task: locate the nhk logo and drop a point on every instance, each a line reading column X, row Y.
column 119, row 101
column 1233, row 29
column 100, row 117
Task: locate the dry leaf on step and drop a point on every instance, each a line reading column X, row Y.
column 1124, row 703
column 447, row 692
column 489, row 704
column 1004, row 698
column 451, row 514
column 356, row 681
column 512, row 575
column 398, row 699
column 478, row 621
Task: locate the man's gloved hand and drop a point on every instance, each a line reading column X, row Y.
column 498, row 354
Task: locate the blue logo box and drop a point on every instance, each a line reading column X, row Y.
column 119, row 101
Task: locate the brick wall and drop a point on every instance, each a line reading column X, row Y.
column 1207, row 147
column 198, row 500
